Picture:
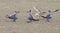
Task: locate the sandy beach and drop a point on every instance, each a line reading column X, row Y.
column 21, row 26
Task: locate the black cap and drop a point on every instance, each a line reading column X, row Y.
column 49, row 10
column 30, row 11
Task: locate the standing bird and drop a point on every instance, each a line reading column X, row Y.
column 13, row 16
column 48, row 16
column 30, row 17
